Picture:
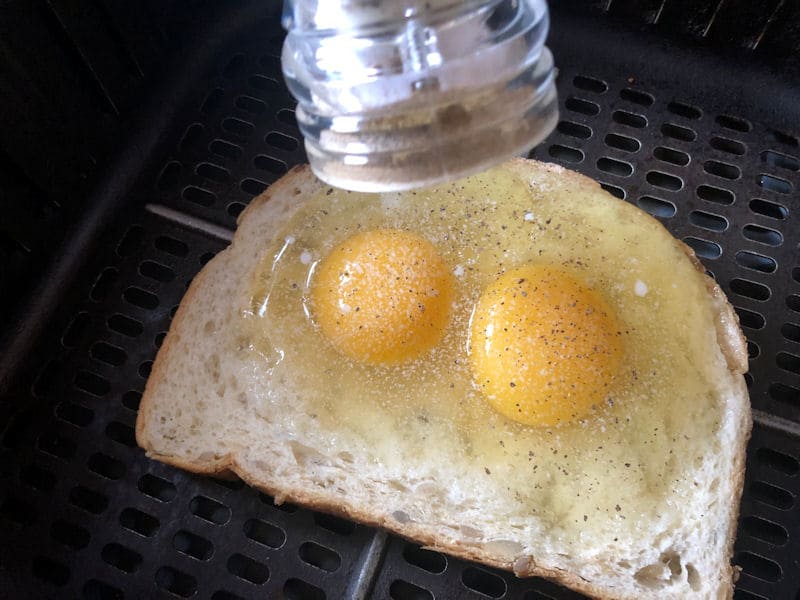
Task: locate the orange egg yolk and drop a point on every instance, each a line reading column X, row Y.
column 544, row 347
column 382, row 296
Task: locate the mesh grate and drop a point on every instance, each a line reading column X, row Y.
column 85, row 515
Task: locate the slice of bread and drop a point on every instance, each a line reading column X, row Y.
column 200, row 412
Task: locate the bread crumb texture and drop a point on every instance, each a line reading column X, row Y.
column 638, row 498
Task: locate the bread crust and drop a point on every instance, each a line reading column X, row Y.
column 729, row 337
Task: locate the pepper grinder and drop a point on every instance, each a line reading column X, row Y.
column 398, row 94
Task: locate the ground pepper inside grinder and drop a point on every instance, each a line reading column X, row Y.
column 396, row 94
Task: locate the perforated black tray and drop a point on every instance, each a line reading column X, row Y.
column 85, row 515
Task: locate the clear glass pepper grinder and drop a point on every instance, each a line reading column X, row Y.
column 396, row 94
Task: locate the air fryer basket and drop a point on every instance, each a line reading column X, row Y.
column 709, row 146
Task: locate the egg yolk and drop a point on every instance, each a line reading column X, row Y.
column 543, row 346
column 382, row 296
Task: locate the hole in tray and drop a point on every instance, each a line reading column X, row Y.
column 145, row 368
column 676, row 132
column 704, row 248
column 103, row 284
column 763, row 235
column 253, row 186
column 750, row 289
column 319, row 556
column 264, row 533
column 213, row 172
column 121, row 433
column 574, row 130
column 18, row 511
column 715, row 194
column 121, row 557
column 734, row 123
column 615, row 167
column 297, row 589
column 210, row 510
column 784, row 394
column 656, row 206
column 194, row 137
column 198, row 196
column 50, row 571
column 76, row 414
column 175, row 581
column 756, row 262
column 758, row 566
column 427, row 560
column 71, row 535
column 281, row 141
column 131, row 399
column 782, row 161
column 774, row 184
column 138, row 522
column 750, row 319
column 791, row 332
column 793, row 302
column 637, row 97
column 778, row 460
column 664, row 181
column 37, row 478
column 709, row 221
column 237, row 127
column 75, row 331
column 169, row 177
column 584, row 107
column 271, row 165
column 158, row 340
column 727, row 145
column 403, row 590
column 106, row 466
column 111, row 355
column 769, row 494
column 192, row 545
column 671, row 156
column 622, row 142
column 753, row 350
column 287, row 116
column 768, row 209
column 157, row 488
column 721, row 169
column 95, row 589
column 91, row 383
column 615, row 191
column 88, row 500
column 141, row 298
column 590, row 84
column 264, row 84
column 761, row 529
column 565, row 153
column 788, row 362
column 131, row 241
column 156, row 271
column 684, row 110
column 334, row 524
column 234, row 209
column 250, row 105
column 56, row 445
column 782, row 138
column 483, row 582
column 623, row 117
column 171, row 246
column 225, row 149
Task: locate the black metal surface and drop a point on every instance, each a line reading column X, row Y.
column 86, row 515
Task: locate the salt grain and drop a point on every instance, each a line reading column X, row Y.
column 305, row 257
column 529, row 216
column 640, row 288
column 458, row 271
